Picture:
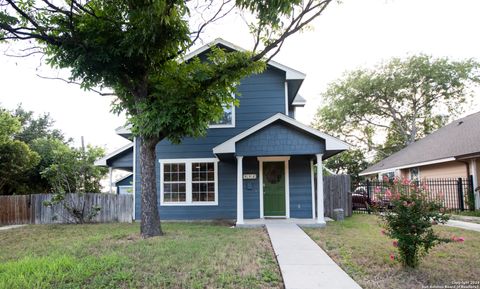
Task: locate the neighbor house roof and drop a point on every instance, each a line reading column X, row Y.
column 457, row 140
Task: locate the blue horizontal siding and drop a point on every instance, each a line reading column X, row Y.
column 123, row 160
column 261, row 96
column 227, row 199
column 300, row 187
column 251, row 190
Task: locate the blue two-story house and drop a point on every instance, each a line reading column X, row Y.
column 257, row 162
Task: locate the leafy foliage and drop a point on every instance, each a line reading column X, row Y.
column 16, row 158
column 36, row 159
column 35, row 127
column 72, row 170
column 410, row 219
column 404, row 99
column 138, row 50
column 350, row 162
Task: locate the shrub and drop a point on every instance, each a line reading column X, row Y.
column 409, row 220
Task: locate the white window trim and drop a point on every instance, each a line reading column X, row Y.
column 188, row 181
column 286, row 160
column 232, row 125
column 418, row 173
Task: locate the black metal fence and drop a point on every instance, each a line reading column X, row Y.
column 456, row 194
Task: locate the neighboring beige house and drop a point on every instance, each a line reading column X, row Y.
column 452, row 151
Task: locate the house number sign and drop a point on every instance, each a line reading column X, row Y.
column 249, row 176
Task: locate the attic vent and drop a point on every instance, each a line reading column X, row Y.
column 460, row 122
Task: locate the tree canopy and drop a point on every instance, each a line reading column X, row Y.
column 137, row 49
column 16, row 158
column 35, row 158
column 397, row 102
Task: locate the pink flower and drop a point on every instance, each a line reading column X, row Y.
column 392, row 257
column 458, row 239
column 386, row 179
column 395, row 243
column 405, row 204
column 395, row 180
column 412, row 204
column 406, row 182
column 388, row 193
column 383, row 232
column 377, row 190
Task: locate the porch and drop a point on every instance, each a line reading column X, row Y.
column 275, row 167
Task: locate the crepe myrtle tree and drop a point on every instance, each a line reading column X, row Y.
column 135, row 49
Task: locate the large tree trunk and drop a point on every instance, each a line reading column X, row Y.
column 150, row 224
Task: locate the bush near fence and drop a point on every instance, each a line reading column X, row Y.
column 29, row 209
column 456, row 193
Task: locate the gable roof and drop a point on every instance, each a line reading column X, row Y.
column 458, row 139
column 331, row 143
column 290, row 72
column 299, row 101
column 123, row 178
column 103, row 161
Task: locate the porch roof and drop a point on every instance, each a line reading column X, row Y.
column 330, row 145
column 122, row 158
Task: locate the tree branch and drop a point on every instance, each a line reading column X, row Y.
column 73, row 82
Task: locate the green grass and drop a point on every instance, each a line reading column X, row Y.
column 469, row 213
column 190, row 255
column 363, row 252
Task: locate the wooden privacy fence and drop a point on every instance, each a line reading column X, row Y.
column 336, row 194
column 15, row 210
column 29, row 209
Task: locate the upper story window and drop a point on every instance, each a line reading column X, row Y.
column 227, row 119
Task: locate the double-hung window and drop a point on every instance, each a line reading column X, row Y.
column 189, row 182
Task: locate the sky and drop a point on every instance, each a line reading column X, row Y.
column 349, row 35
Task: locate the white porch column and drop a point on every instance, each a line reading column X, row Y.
column 320, row 208
column 110, row 171
column 239, row 190
column 474, row 172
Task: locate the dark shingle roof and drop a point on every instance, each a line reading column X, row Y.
column 460, row 137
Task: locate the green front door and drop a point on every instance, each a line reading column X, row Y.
column 274, row 189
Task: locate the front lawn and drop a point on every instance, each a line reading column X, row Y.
column 358, row 246
column 190, row 255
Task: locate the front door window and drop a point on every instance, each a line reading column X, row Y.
column 274, row 189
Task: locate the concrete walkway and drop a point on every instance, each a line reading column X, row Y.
column 304, row 265
column 11, row 227
column 464, row 225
